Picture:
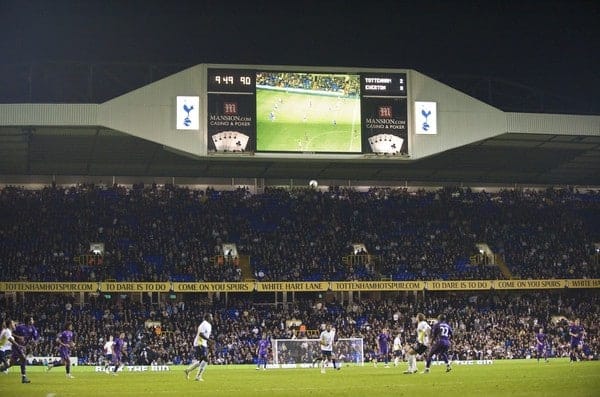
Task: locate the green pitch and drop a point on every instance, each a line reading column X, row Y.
column 299, row 122
column 502, row 378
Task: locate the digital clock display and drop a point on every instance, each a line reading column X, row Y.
column 227, row 80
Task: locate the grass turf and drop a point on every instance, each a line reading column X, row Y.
column 305, row 122
column 502, row 378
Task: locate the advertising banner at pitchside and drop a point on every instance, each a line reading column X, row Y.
column 297, row 286
column 377, row 285
column 23, row 286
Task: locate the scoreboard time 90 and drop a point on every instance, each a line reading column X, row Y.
column 231, row 80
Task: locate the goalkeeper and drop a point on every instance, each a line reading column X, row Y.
column 326, row 341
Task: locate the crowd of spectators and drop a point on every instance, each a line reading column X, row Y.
column 487, row 325
column 153, row 233
column 343, row 84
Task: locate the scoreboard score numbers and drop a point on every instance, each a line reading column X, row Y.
column 275, row 111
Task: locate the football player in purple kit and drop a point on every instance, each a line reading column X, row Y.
column 576, row 332
column 65, row 343
column 541, row 345
column 441, row 334
column 21, row 336
column 383, row 347
column 118, row 352
column 262, row 351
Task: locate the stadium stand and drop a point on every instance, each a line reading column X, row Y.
column 174, row 233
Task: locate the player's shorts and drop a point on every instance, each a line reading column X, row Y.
column 108, row 358
column 326, row 353
column 64, row 353
column 420, row 348
column 397, row 353
column 576, row 344
column 116, row 358
column 4, row 355
column 201, row 353
column 17, row 353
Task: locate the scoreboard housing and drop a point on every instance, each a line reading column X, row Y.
column 268, row 109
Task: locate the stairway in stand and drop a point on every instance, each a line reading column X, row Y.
column 502, row 266
column 244, row 264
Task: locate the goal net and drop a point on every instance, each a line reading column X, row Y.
column 294, row 353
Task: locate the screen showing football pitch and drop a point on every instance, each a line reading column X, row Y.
column 308, row 112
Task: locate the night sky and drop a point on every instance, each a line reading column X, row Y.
column 550, row 45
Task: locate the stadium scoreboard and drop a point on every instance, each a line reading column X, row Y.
column 302, row 111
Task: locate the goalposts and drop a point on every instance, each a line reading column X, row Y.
column 294, row 353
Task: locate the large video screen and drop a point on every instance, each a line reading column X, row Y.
column 308, row 112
